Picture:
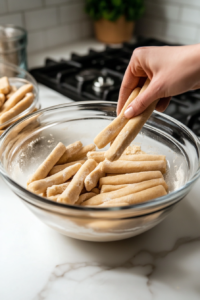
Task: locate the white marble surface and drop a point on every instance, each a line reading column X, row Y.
column 37, row 263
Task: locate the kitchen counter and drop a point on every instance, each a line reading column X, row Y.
column 37, row 263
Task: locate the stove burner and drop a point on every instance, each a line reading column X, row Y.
column 86, row 75
column 102, row 83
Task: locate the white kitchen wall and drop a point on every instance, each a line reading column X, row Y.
column 49, row 22
column 171, row 20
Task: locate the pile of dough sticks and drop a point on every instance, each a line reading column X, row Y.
column 80, row 175
column 13, row 101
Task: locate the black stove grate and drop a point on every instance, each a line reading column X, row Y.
column 98, row 76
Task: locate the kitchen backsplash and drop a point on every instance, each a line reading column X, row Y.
column 49, row 22
column 171, row 20
column 55, row 22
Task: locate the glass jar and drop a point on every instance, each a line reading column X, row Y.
column 13, row 41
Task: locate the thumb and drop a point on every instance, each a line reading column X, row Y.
column 143, row 100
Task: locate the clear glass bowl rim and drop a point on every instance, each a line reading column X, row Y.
column 36, row 99
column 16, row 37
column 164, row 200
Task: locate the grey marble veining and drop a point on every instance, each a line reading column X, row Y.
column 147, row 275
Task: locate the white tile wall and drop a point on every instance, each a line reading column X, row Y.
column 37, row 40
column 49, row 2
column 18, row 5
column 39, row 19
column 59, row 35
column 171, row 20
column 162, row 10
column 149, row 25
column 190, row 15
column 15, row 19
column 3, row 6
column 72, row 12
column 49, row 22
column 53, row 22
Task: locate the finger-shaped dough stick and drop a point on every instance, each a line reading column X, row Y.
column 12, row 91
column 82, row 153
column 95, row 190
column 114, row 128
column 85, row 197
column 41, row 185
column 73, row 191
column 54, row 198
column 2, row 99
column 57, row 189
column 97, row 156
column 4, row 85
column 59, row 168
column 106, row 188
column 129, row 131
column 92, row 179
column 122, row 166
column 43, row 170
column 140, row 197
column 70, row 150
column 114, row 174
column 17, row 109
column 130, row 178
column 131, row 189
column 132, row 149
column 17, row 96
column 43, row 195
column 142, row 157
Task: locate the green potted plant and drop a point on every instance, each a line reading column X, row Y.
column 114, row 19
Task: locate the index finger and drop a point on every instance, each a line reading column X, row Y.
column 129, row 82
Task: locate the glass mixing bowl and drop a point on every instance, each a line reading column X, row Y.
column 18, row 77
column 25, row 144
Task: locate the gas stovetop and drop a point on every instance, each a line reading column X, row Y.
column 98, row 76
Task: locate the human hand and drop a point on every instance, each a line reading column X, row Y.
column 171, row 70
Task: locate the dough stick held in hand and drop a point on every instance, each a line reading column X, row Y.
column 130, row 130
column 92, row 179
column 43, row 170
column 113, row 129
column 40, row 186
column 17, row 109
column 72, row 192
column 140, row 197
column 17, row 96
column 131, row 189
column 70, row 151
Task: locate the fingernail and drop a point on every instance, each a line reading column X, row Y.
column 129, row 112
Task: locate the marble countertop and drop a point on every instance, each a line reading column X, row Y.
column 37, row 263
